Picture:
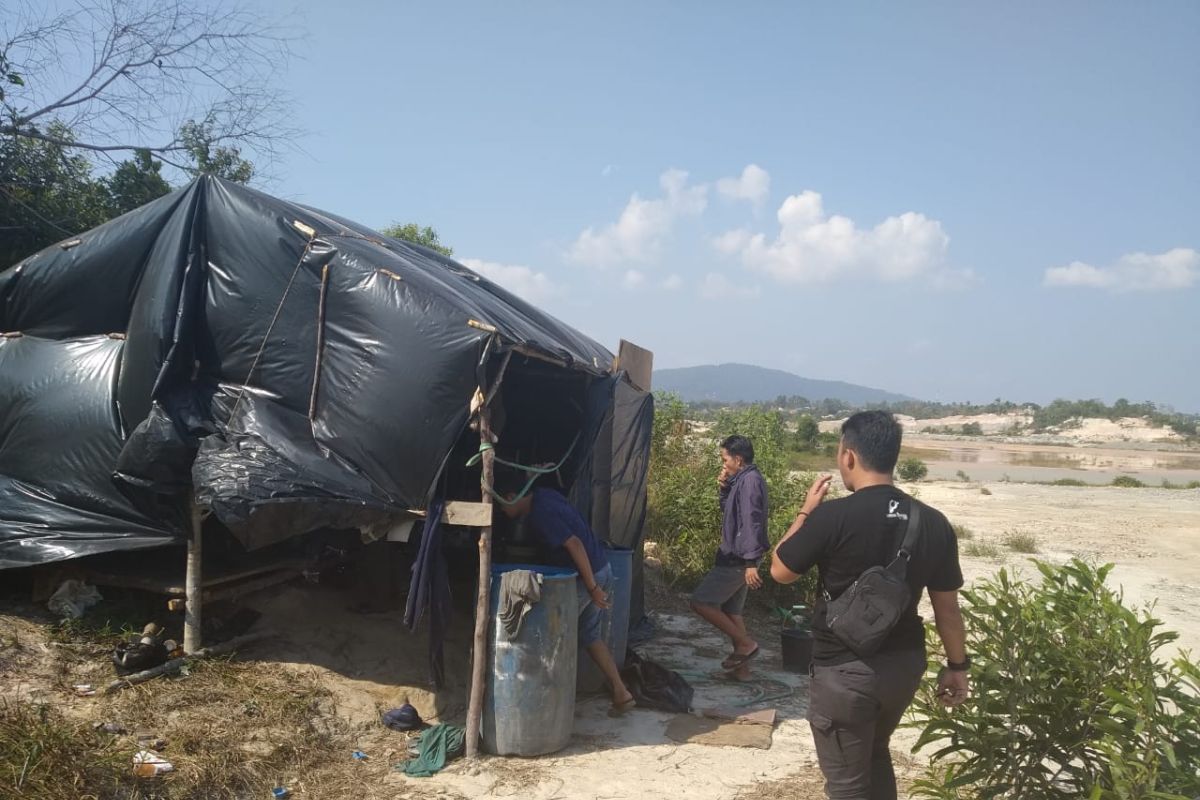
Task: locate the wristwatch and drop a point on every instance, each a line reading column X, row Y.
column 959, row 666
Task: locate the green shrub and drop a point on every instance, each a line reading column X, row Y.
column 963, row 476
column 1068, row 482
column 1128, row 482
column 972, row 429
column 683, row 514
column 962, row 532
column 1193, row 485
column 985, row 490
column 912, row 469
column 1069, row 698
column 1021, row 542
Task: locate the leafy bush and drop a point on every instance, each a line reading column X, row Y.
column 912, row 469
column 962, row 532
column 972, row 429
column 963, row 476
column 1069, row 698
column 1128, row 482
column 683, row 514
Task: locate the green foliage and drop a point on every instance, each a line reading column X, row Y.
column 136, row 182
column 808, row 433
column 912, row 469
column 1128, row 482
column 46, row 195
column 972, row 429
column 1069, row 698
column 1062, row 413
column 962, row 532
column 1068, row 482
column 424, row 236
column 210, row 156
column 683, row 514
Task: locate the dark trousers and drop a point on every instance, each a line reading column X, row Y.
column 853, row 709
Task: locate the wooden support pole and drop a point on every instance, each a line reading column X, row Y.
column 479, row 660
column 192, row 586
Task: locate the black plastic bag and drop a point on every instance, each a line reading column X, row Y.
column 656, row 687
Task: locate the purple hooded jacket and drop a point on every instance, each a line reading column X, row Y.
column 743, row 519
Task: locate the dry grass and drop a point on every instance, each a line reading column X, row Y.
column 980, row 550
column 234, row 729
column 1020, row 542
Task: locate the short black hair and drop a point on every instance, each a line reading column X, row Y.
column 508, row 481
column 739, row 446
column 875, row 437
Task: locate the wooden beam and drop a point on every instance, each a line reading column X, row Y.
column 637, row 362
column 462, row 512
column 479, row 654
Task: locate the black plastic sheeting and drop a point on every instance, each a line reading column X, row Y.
column 298, row 370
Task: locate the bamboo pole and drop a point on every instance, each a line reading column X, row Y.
column 192, row 586
column 479, row 659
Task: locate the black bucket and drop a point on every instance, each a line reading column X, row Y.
column 797, row 647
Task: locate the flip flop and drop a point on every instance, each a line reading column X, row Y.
column 738, row 659
column 620, row 709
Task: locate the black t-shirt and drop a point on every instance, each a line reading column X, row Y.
column 849, row 535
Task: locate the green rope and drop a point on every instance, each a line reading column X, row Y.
column 537, row 471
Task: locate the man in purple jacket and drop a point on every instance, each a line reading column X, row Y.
column 721, row 596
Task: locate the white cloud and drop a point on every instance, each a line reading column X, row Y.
column 639, row 232
column 524, row 282
column 1135, row 272
column 672, row 283
column 754, row 184
column 716, row 286
column 632, row 279
column 813, row 246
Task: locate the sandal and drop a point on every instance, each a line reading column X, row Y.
column 739, row 659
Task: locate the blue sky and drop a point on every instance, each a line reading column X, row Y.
column 953, row 201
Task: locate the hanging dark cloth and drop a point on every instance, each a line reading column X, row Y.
column 430, row 591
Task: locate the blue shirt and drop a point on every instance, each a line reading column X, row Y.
column 554, row 520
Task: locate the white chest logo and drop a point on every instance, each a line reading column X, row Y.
column 893, row 505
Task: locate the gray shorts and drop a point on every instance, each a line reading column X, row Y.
column 725, row 587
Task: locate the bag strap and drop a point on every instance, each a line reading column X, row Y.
column 913, row 531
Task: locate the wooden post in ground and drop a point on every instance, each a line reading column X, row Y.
column 479, row 660
column 192, row 585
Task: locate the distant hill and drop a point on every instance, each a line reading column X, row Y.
column 731, row 383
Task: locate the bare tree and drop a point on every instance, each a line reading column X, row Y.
column 125, row 75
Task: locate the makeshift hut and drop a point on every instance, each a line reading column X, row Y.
column 223, row 352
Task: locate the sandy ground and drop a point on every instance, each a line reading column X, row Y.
column 1081, row 431
column 368, row 663
column 1151, row 535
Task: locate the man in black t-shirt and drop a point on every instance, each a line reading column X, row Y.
column 855, row 703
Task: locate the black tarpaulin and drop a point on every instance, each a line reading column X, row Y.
column 295, row 368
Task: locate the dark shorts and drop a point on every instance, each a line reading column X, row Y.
column 724, row 587
column 591, row 618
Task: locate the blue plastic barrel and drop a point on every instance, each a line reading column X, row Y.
column 614, row 626
column 529, row 707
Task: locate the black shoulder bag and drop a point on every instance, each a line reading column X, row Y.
column 863, row 615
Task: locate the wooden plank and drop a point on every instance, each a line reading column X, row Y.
column 638, row 362
column 479, row 650
column 462, row 512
